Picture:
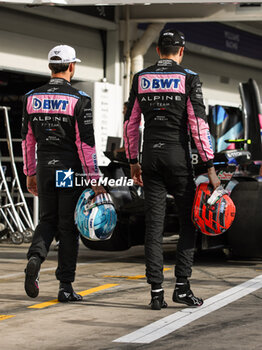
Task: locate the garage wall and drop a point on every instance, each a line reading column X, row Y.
column 25, row 41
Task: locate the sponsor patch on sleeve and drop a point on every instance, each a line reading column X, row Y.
column 95, row 162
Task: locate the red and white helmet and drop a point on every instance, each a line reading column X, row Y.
column 214, row 219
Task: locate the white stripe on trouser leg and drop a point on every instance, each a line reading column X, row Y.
column 179, row 319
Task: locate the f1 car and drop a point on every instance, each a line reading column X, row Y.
column 238, row 163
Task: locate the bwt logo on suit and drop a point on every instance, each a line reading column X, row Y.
column 159, row 83
column 47, row 104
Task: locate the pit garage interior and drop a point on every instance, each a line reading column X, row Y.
column 116, row 39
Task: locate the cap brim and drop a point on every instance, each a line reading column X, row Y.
column 77, row 60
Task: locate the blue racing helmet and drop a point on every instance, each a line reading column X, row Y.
column 95, row 216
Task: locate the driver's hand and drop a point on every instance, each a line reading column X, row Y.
column 98, row 189
column 32, row 185
column 136, row 174
column 213, row 179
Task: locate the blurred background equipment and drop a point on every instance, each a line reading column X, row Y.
column 15, row 216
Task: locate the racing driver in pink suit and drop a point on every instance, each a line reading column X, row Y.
column 58, row 119
column 170, row 99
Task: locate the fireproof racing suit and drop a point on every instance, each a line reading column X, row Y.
column 170, row 99
column 58, row 118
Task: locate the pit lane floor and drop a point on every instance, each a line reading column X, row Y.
column 116, row 298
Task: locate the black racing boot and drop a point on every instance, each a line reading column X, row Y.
column 184, row 295
column 66, row 293
column 32, row 276
column 157, row 300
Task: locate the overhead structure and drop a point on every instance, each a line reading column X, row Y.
column 196, row 12
column 119, row 2
column 151, row 11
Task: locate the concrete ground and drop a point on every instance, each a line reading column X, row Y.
column 116, row 304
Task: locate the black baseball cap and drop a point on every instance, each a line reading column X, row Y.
column 171, row 37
